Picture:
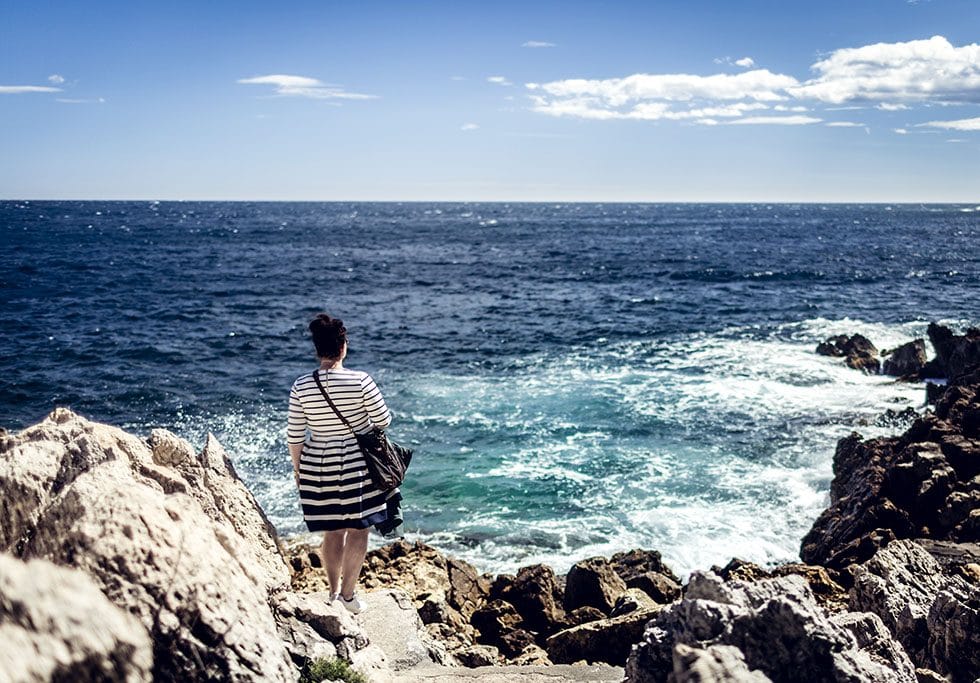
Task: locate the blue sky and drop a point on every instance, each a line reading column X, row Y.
column 870, row 100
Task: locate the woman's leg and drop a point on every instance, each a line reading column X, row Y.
column 354, row 551
column 332, row 554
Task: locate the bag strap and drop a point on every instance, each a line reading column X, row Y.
column 333, row 406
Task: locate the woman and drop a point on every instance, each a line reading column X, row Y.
column 336, row 492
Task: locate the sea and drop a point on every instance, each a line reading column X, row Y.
column 575, row 379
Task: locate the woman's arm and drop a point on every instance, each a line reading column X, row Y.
column 295, row 449
column 295, row 429
column 374, row 402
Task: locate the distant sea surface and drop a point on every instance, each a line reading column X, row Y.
column 576, row 379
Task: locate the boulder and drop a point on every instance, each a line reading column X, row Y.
column 495, row 619
column 607, row 640
column 906, row 360
column 645, row 569
column 536, row 595
column 632, row 600
column 714, row 664
column 57, row 625
column 936, row 617
column 593, row 582
column 857, row 350
column 171, row 537
column 777, row 627
column 957, row 356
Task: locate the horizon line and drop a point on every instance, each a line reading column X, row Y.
column 975, row 202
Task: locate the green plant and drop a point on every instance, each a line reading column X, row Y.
column 316, row 670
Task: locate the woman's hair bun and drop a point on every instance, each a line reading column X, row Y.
column 329, row 335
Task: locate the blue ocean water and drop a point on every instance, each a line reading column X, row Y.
column 577, row 379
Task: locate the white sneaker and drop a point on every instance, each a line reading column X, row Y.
column 354, row 605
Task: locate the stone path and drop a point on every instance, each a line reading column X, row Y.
column 394, row 627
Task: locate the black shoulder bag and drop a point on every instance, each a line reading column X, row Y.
column 386, row 460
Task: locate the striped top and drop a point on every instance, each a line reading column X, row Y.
column 354, row 393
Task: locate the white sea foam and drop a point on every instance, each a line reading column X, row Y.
column 703, row 447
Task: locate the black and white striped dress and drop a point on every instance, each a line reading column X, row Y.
column 334, row 486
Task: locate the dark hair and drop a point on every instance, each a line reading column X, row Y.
column 329, row 335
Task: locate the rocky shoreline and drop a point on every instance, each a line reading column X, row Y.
column 129, row 559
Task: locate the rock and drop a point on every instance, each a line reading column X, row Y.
column 905, row 360
column 495, row 619
column 858, row 505
column 739, row 570
column 515, row 643
column 397, row 630
column 715, row 664
column 478, row 655
column 922, row 484
column 593, row 582
column 532, row 655
column 313, row 626
column 953, row 625
column 607, row 640
column 934, row 616
column 929, row 676
column 168, row 448
column 536, row 595
column 632, row 600
column 425, row 574
column 824, row 583
column 467, row 589
column 57, row 625
column 582, row 615
column 957, row 355
column 857, row 350
column 645, row 569
column 776, row 625
column 182, row 547
column 874, row 638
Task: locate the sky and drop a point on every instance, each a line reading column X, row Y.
column 755, row 100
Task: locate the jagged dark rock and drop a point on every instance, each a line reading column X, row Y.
column 857, row 350
column 593, row 583
column 906, row 360
column 957, row 356
column 778, row 629
column 920, row 484
column 935, row 616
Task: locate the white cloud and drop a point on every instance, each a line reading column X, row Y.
column 469, row 126
column 660, row 96
column 777, row 120
column 538, row 43
column 900, row 131
column 930, row 70
column 72, row 100
column 56, row 79
column 959, row 124
column 22, row 89
column 890, row 77
column 498, row 80
column 744, row 62
column 955, row 140
column 843, row 124
column 302, row 86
